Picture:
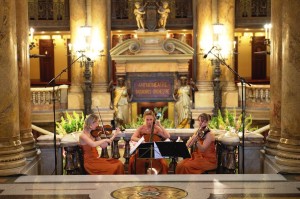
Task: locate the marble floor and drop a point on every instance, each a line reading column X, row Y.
column 212, row 186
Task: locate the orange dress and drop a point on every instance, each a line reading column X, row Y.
column 139, row 166
column 199, row 162
column 95, row 165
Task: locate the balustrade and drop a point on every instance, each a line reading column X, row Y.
column 42, row 98
column 256, row 95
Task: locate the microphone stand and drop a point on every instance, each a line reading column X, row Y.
column 243, row 82
column 52, row 81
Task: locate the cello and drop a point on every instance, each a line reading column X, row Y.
column 149, row 165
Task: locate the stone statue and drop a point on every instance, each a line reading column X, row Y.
column 120, row 97
column 139, row 12
column 183, row 104
column 164, row 11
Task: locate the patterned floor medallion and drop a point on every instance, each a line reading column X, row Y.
column 147, row 192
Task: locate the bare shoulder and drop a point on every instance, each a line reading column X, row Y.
column 157, row 129
column 139, row 129
column 210, row 136
column 84, row 137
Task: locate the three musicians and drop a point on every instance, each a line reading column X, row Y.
column 202, row 159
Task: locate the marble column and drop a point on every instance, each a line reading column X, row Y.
column 204, row 34
column 99, row 18
column 26, row 135
column 226, row 11
column 78, row 18
column 275, row 81
column 11, row 149
column 288, row 155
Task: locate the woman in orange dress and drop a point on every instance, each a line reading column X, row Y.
column 204, row 158
column 93, row 164
column 139, row 166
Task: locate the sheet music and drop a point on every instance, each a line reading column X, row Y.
column 136, row 145
column 157, row 153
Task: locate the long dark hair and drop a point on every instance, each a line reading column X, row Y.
column 204, row 116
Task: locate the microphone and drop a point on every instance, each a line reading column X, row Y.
column 208, row 52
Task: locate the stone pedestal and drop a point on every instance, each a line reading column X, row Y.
column 253, row 160
column 46, row 145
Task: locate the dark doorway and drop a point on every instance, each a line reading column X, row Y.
column 47, row 63
column 142, row 106
column 259, row 58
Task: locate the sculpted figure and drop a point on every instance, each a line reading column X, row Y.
column 139, row 12
column 120, row 96
column 164, row 11
column 183, row 96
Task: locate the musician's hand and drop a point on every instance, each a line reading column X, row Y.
column 204, row 124
column 194, row 136
column 157, row 122
column 105, row 143
column 117, row 131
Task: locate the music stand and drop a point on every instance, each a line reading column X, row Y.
column 173, row 150
column 155, row 150
column 147, row 151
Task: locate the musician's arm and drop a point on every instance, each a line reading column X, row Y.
column 192, row 140
column 162, row 131
column 206, row 142
column 135, row 136
column 117, row 131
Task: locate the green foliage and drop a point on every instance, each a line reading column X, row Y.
column 230, row 121
column 134, row 125
column 70, row 123
column 165, row 122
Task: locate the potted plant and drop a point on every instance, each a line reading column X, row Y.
column 230, row 122
column 70, row 123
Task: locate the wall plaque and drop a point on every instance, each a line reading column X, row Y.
column 151, row 88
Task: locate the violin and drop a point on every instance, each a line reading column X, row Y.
column 105, row 129
column 201, row 133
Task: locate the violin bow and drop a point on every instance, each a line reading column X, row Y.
column 101, row 121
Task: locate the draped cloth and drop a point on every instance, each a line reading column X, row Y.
column 95, row 165
column 199, row 162
column 183, row 107
column 121, row 106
